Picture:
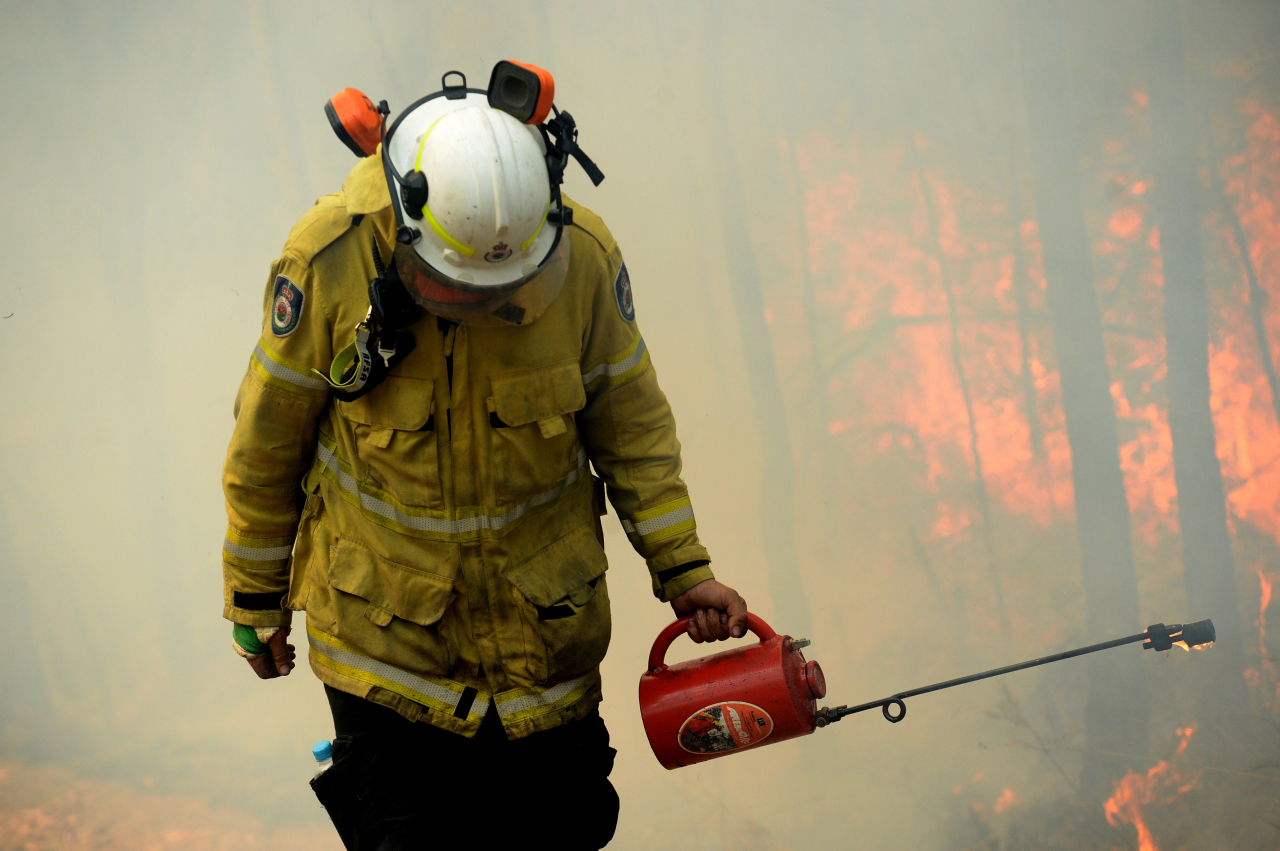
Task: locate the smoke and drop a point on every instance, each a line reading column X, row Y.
column 841, row 194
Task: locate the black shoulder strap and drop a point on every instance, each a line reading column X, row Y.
column 381, row 341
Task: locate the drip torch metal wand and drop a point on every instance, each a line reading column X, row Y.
column 1155, row 637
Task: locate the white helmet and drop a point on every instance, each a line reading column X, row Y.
column 472, row 196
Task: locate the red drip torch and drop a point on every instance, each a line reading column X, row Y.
column 768, row 692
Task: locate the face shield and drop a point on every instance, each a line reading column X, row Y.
column 519, row 302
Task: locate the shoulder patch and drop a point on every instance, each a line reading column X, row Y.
column 286, row 307
column 622, row 291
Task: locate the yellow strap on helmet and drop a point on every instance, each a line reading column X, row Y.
column 464, row 250
column 524, row 246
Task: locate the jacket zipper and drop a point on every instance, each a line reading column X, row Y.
column 447, row 328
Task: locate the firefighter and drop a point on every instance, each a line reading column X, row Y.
column 412, row 466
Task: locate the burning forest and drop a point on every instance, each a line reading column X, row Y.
column 969, row 315
column 920, row 321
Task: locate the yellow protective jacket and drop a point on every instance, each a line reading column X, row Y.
column 441, row 531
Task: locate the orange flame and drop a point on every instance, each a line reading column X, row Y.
column 1184, row 735
column 898, row 291
column 868, row 232
column 1266, row 583
column 1161, row 784
column 1247, row 436
column 888, row 277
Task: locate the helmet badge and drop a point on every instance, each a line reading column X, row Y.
column 498, row 253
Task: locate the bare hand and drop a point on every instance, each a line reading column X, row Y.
column 278, row 660
column 717, row 611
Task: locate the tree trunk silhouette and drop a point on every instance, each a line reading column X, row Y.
column 1258, row 297
column 1021, row 282
column 1115, row 711
column 778, row 471
column 1202, row 515
column 981, row 496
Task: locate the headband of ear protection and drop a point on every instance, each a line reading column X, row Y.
column 519, row 89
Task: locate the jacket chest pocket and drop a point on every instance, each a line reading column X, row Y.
column 394, row 433
column 534, row 436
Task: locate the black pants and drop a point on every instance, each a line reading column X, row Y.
column 396, row 785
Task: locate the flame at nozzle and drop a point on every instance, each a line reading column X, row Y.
column 1198, row 635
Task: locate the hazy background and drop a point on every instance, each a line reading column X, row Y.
column 810, row 198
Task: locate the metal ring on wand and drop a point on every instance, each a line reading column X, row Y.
column 889, row 716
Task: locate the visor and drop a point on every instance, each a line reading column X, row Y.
column 519, row 302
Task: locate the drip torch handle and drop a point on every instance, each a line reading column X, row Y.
column 673, row 630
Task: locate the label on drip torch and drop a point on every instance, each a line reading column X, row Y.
column 724, row 727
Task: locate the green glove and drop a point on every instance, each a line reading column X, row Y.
column 246, row 638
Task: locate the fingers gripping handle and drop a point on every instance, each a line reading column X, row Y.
column 658, row 655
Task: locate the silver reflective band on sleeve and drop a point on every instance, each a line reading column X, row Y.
column 393, row 674
column 256, row 553
column 662, row 521
column 627, row 527
column 615, row 369
column 525, row 702
column 284, row 373
column 436, row 524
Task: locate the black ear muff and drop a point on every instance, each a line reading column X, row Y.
column 355, row 120
column 413, row 193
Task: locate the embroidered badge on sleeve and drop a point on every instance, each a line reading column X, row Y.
column 286, row 307
column 622, row 290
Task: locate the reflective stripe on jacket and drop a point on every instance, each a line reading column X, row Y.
column 440, row 531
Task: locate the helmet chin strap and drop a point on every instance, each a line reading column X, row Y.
column 565, row 131
column 404, row 233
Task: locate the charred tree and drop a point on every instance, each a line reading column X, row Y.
column 1115, row 710
column 1202, row 514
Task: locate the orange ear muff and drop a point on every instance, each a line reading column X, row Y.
column 355, row 120
column 522, row 90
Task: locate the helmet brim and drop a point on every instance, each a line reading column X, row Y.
column 519, row 302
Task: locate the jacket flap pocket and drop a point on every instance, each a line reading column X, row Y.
column 390, row 588
column 560, row 569
column 524, row 397
column 399, row 402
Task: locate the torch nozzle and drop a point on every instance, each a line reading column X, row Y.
column 1161, row 637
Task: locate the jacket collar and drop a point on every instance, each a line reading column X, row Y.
column 365, row 188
